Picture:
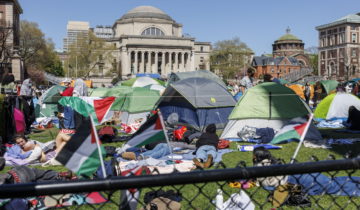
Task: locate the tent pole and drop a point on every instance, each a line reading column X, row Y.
column 164, row 129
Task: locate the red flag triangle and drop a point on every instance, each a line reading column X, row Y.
column 102, row 106
column 300, row 128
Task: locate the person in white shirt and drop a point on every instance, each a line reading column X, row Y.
column 247, row 81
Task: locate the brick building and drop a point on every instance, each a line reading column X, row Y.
column 339, row 48
column 10, row 11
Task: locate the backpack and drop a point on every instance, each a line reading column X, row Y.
column 112, row 168
column 291, row 195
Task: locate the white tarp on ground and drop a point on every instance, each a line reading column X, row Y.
column 339, row 107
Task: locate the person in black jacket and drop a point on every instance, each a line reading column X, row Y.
column 206, row 147
column 354, row 118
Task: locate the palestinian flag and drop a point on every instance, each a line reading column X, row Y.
column 81, row 153
column 151, row 131
column 293, row 131
column 98, row 108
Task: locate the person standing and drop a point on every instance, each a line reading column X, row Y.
column 247, row 81
column 307, row 93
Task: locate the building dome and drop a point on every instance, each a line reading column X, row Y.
column 146, row 12
column 288, row 37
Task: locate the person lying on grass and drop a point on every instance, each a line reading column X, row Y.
column 206, row 147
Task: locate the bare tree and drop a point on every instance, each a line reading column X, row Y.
column 6, row 46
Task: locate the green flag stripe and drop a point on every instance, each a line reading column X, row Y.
column 91, row 164
column 156, row 137
column 285, row 136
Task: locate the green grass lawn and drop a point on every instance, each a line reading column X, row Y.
column 199, row 196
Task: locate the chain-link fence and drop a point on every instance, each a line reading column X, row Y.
column 329, row 184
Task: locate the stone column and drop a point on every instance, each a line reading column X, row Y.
column 182, row 65
column 169, row 64
column 156, row 63
column 163, row 71
column 16, row 66
column 192, row 61
column 142, row 64
column 176, row 69
column 136, row 62
column 124, row 62
column 148, row 66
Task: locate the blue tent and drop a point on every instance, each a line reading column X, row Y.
column 198, row 102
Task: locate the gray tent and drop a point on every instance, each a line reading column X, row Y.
column 198, row 102
column 199, row 73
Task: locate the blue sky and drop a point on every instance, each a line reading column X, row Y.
column 257, row 23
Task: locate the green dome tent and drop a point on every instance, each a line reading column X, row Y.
column 329, row 85
column 141, row 82
column 336, row 105
column 266, row 105
column 47, row 104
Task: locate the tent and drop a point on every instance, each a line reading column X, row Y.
column 336, row 105
column 198, row 102
column 159, row 88
column 199, row 73
column 265, row 105
column 117, row 91
column 299, row 90
column 47, row 103
column 141, row 82
column 329, row 85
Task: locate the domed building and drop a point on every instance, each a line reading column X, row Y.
column 287, row 60
column 150, row 41
column 289, row 45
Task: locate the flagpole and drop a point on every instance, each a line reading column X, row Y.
column 164, row 129
column 302, row 138
column 98, row 145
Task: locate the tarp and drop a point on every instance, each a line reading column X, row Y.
column 329, row 85
column 156, row 76
column 198, row 102
column 269, row 100
column 336, row 105
column 199, row 73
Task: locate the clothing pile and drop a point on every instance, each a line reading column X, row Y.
column 258, row 135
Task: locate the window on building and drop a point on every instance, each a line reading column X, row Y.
column 322, row 55
column 353, row 28
column 341, row 52
column 353, row 53
column 1, row 15
column 201, row 49
column 201, row 59
column 272, row 70
column 353, row 38
column 152, row 31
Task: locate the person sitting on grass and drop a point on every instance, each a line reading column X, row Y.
column 206, row 147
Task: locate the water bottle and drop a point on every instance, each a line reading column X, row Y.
column 219, row 200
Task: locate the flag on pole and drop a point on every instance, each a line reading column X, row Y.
column 293, row 131
column 151, row 131
column 81, row 152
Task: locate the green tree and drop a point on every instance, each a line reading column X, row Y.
column 312, row 52
column 230, row 57
column 37, row 52
column 89, row 55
